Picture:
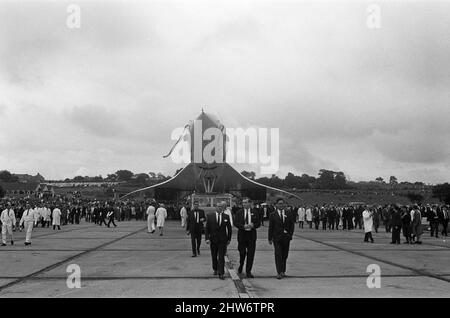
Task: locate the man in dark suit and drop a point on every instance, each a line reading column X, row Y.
column 247, row 220
column 281, row 229
column 218, row 235
column 194, row 227
column 443, row 216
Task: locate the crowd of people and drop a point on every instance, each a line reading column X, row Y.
column 395, row 219
column 57, row 212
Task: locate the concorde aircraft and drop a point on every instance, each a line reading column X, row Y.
column 208, row 182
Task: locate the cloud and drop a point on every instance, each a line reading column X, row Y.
column 96, row 120
column 366, row 102
column 413, row 147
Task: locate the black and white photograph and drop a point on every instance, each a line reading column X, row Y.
column 215, row 152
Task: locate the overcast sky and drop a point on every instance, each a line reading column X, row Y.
column 90, row 101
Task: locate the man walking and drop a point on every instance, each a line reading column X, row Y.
column 56, row 219
column 28, row 221
column 301, row 216
column 102, row 215
column 161, row 216
column 443, row 219
column 151, row 218
column 194, row 228
column 281, row 229
column 8, row 218
column 110, row 216
column 434, row 221
column 247, row 220
column 183, row 215
column 308, row 215
column 396, row 226
column 417, row 230
column 218, row 233
column 367, row 217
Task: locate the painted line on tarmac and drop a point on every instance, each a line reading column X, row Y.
column 387, row 236
column 420, row 272
column 243, row 286
column 70, row 258
column 97, row 278
column 56, row 231
column 238, row 283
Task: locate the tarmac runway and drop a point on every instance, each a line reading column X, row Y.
column 129, row 262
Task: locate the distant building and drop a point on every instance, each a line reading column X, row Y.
column 19, row 189
column 27, row 189
column 26, row 178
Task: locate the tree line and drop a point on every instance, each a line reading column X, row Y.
column 326, row 180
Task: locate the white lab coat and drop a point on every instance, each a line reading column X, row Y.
column 301, row 214
column 46, row 214
column 183, row 215
column 28, row 220
column 38, row 214
column 56, row 216
column 8, row 219
column 161, row 215
column 368, row 221
column 151, row 218
column 308, row 214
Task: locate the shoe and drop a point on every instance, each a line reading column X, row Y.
column 12, row 242
column 279, row 276
column 240, row 269
column 250, row 275
column 221, row 277
column 392, row 243
column 419, row 242
column 3, row 244
column 215, row 273
column 194, row 255
column 161, row 234
column 198, row 252
column 283, row 274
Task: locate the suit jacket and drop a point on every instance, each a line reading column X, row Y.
column 215, row 233
column 239, row 222
column 191, row 222
column 396, row 219
column 279, row 230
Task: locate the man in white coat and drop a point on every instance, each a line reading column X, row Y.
column 308, row 215
column 368, row 223
column 183, row 215
column 46, row 215
column 56, row 215
column 301, row 216
column 151, row 218
column 161, row 215
column 28, row 220
column 8, row 218
column 38, row 214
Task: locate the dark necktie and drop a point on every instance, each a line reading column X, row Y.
column 247, row 222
